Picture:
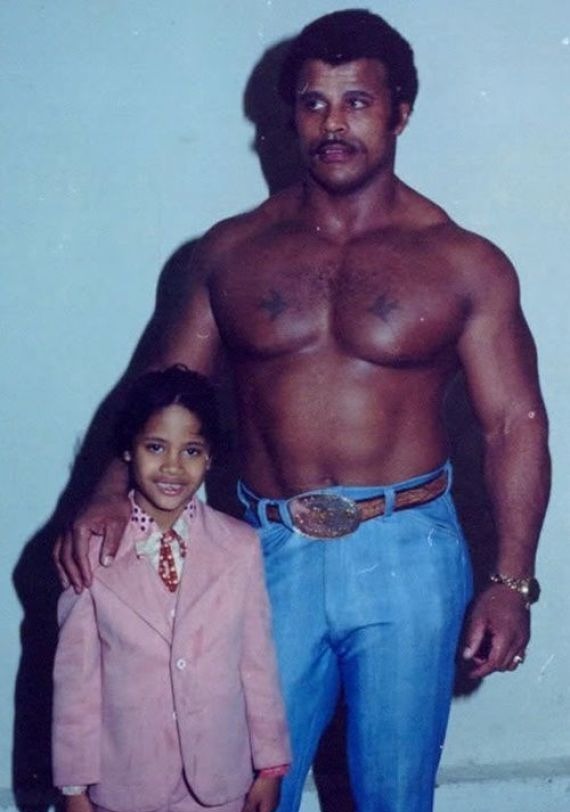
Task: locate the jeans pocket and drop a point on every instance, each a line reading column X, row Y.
column 273, row 537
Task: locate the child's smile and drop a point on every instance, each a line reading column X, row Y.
column 169, row 461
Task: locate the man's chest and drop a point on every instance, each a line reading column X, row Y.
column 383, row 303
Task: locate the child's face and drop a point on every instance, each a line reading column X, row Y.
column 169, row 460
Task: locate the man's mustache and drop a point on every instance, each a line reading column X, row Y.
column 333, row 141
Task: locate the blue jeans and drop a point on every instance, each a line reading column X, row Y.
column 377, row 612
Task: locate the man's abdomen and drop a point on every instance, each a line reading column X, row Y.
column 312, row 422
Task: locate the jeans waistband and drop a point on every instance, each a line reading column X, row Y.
column 257, row 505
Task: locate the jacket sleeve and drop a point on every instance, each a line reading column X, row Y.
column 77, row 693
column 260, row 679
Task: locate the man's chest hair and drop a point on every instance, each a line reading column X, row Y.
column 375, row 298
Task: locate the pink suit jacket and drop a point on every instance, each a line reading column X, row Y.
column 139, row 696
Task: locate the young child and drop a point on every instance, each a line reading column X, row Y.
column 166, row 693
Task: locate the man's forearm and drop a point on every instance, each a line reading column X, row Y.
column 517, row 473
column 114, row 482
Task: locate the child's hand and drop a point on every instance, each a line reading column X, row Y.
column 263, row 795
column 78, row 803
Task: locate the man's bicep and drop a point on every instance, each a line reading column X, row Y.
column 192, row 338
column 498, row 356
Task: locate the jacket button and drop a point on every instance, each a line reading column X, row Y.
column 181, row 664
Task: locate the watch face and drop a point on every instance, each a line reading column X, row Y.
column 533, row 591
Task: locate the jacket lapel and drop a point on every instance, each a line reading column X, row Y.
column 138, row 586
column 207, row 560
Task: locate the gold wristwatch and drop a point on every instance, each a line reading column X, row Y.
column 529, row 588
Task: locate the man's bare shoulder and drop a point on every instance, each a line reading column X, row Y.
column 480, row 268
column 227, row 236
column 474, row 260
column 478, row 257
column 417, row 212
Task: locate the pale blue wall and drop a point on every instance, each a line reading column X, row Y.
column 124, row 136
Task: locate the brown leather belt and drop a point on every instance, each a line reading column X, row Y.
column 325, row 515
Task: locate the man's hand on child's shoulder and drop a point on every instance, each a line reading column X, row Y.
column 106, row 517
column 263, row 795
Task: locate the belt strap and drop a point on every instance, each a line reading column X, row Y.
column 376, row 505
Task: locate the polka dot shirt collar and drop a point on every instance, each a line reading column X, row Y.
column 146, row 526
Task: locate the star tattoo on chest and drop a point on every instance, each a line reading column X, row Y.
column 274, row 304
column 382, row 307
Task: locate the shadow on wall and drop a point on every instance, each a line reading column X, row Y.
column 274, row 140
column 34, row 576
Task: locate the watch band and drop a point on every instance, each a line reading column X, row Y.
column 528, row 588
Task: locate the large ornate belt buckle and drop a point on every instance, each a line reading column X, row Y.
column 324, row 515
